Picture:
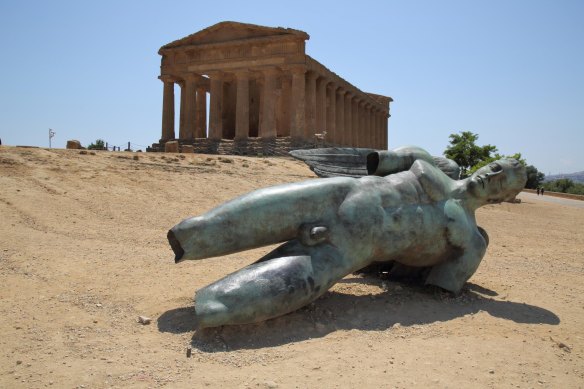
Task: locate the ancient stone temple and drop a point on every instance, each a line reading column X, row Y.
column 256, row 83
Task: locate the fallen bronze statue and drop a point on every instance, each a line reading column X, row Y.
column 408, row 209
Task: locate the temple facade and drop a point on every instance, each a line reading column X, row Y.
column 256, row 82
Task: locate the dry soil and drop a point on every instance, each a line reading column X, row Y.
column 83, row 254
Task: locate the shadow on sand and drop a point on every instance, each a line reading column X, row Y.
column 406, row 305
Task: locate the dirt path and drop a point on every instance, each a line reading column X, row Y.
column 83, row 253
column 550, row 199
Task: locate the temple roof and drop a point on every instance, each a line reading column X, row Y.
column 233, row 31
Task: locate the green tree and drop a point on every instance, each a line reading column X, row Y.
column 534, row 177
column 466, row 153
column 98, row 145
column 563, row 185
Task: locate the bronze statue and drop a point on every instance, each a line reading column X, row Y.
column 406, row 212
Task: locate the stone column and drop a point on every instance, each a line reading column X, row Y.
column 376, row 131
column 268, row 101
column 321, row 104
column 381, row 133
column 201, row 112
column 284, row 119
column 182, row 113
column 385, row 134
column 298, row 102
column 216, row 106
column 167, row 109
column 348, row 120
column 362, row 141
column 242, row 105
column 310, row 129
column 340, row 114
column 355, row 124
column 190, row 102
column 368, row 125
column 380, row 129
column 331, row 113
column 373, row 134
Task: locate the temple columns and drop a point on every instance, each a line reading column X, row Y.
column 267, row 102
column 242, row 105
column 168, row 110
column 215, row 106
column 298, row 124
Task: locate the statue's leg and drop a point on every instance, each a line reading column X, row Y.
column 260, row 218
column 272, row 287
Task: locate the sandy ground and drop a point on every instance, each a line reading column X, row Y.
column 83, row 253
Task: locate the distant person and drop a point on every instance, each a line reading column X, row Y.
column 542, row 191
column 538, row 190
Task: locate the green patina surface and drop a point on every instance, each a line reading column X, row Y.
column 407, row 213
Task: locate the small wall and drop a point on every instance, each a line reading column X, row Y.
column 557, row 194
column 251, row 146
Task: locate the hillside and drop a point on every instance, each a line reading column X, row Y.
column 576, row 177
column 83, row 253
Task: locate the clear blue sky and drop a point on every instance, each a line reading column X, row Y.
column 511, row 71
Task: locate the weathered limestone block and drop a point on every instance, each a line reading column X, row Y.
column 171, row 146
column 74, row 144
column 188, row 149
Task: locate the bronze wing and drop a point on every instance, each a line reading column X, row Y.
column 352, row 162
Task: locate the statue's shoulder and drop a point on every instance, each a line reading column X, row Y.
column 435, row 183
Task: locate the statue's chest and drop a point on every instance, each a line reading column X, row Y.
column 422, row 234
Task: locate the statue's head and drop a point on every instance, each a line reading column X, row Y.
column 498, row 181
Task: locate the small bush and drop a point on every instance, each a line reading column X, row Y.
column 98, row 145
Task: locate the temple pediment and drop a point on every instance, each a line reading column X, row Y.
column 233, row 31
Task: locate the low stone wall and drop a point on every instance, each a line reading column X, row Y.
column 557, row 194
column 251, row 146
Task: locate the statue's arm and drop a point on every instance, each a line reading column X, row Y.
column 383, row 163
column 470, row 246
column 453, row 274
